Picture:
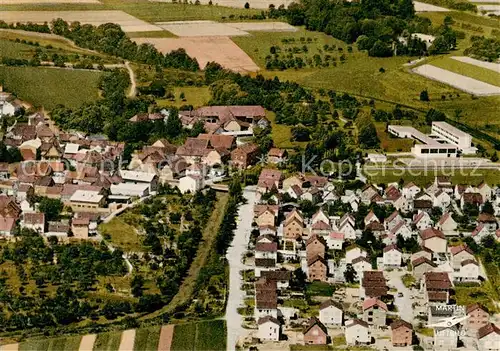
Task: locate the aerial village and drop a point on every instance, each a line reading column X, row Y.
column 382, row 263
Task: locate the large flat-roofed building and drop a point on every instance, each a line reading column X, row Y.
column 428, row 147
column 454, row 136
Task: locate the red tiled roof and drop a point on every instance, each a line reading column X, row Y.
column 487, row 329
column 431, row 233
column 369, row 303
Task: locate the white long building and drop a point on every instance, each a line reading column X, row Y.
column 453, row 136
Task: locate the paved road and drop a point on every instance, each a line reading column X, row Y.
column 404, row 304
column 234, row 254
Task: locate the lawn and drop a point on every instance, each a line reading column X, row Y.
column 70, row 343
column 184, row 337
column 282, row 134
column 479, row 73
column 426, row 177
column 147, row 11
column 389, row 143
column 196, row 96
column 408, row 280
column 48, row 87
column 15, row 50
column 147, row 338
column 319, row 289
column 122, row 235
column 108, row 341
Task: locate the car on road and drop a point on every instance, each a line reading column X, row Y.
column 400, row 294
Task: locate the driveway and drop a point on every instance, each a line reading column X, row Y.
column 233, row 256
column 404, row 303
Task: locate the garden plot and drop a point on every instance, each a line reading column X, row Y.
column 127, row 22
column 200, row 29
column 205, row 49
column 263, row 26
column 423, row 7
column 469, row 85
column 488, row 65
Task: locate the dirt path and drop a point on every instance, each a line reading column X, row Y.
column 9, row 347
column 133, row 83
column 166, row 336
column 127, row 340
column 87, row 343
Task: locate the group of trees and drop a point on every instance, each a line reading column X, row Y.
column 482, row 48
column 110, row 39
column 374, row 25
column 367, row 133
column 73, row 268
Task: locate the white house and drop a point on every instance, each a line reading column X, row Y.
column 331, row 313
column 348, row 230
column 469, row 271
column 480, row 232
column 391, row 221
column 410, row 190
column 403, row 204
column 447, row 224
column 446, row 339
column 459, row 254
column 441, row 199
column 392, row 256
column 129, row 189
column 269, row 329
column 433, row 239
column 488, row 338
column 335, row 240
column 190, row 183
column 357, row 332
column 361, row 264
column 7, row 108
column 266, row 250
column 371, row 217
column 140, row 178
column 400, row 229
column 354, row 253
column 320, row 216
column 422, row 220
column 34, row 221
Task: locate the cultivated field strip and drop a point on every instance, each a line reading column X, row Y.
column 87, row 342
column 254, row 4
column 127, row 22
column 488, row 65
column 263, row 26
column 206, row 49
column 36, row 2
column 461, row 82
column 423, row 7
column 200, row 29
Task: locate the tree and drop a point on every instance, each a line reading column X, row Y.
column 247, row 5
column 350, row 274
column 434, row 116
column 424, row 95
column 137, row 285
column 488, row 208
column 182, row 96
column 298, row 280
column 51, row 207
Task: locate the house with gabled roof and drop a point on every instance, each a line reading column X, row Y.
column 269, row 329
column 265, row 214
column 460, row 253
column 472, row 199
column 331, row 313
column 321, row 228
column 266, row 298
column 315, row 246
column 392, row 193
column 360, row 265
column 269, row 179
column 488, row 338
column 392, row 256
column 437, row 286
column 447, row 225
column 374, row 312
column 480, row 232
column 391, row 221
column 478, row 318
column 468, row 271
column 354, row 252
column 335, row 240
column 400, row 229
column 422, row 220
column 320, row 216
column 373, row 284
column 367, row 193
column 357, row 332
column 401, row 333
column 370, row 217
column 488, row 220
column 442, row 200
column 410, row 190
column 276, row 155
column 422, row 265
column 433, row 239
column 348, row 230
column 315, row 333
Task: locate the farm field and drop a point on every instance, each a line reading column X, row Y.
column 193, row 336
column 60, row 86
column 254, row 4
column 200, row 29
column 127, row 22
column 423, row 7
column 108, row 341
column 469, row 70
column 147, row 338
column 421, row 177
column 70, row 343
column 207, row 49
column 459, row 81
column 145, row 10
column 488, row 65
column 16, row 2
